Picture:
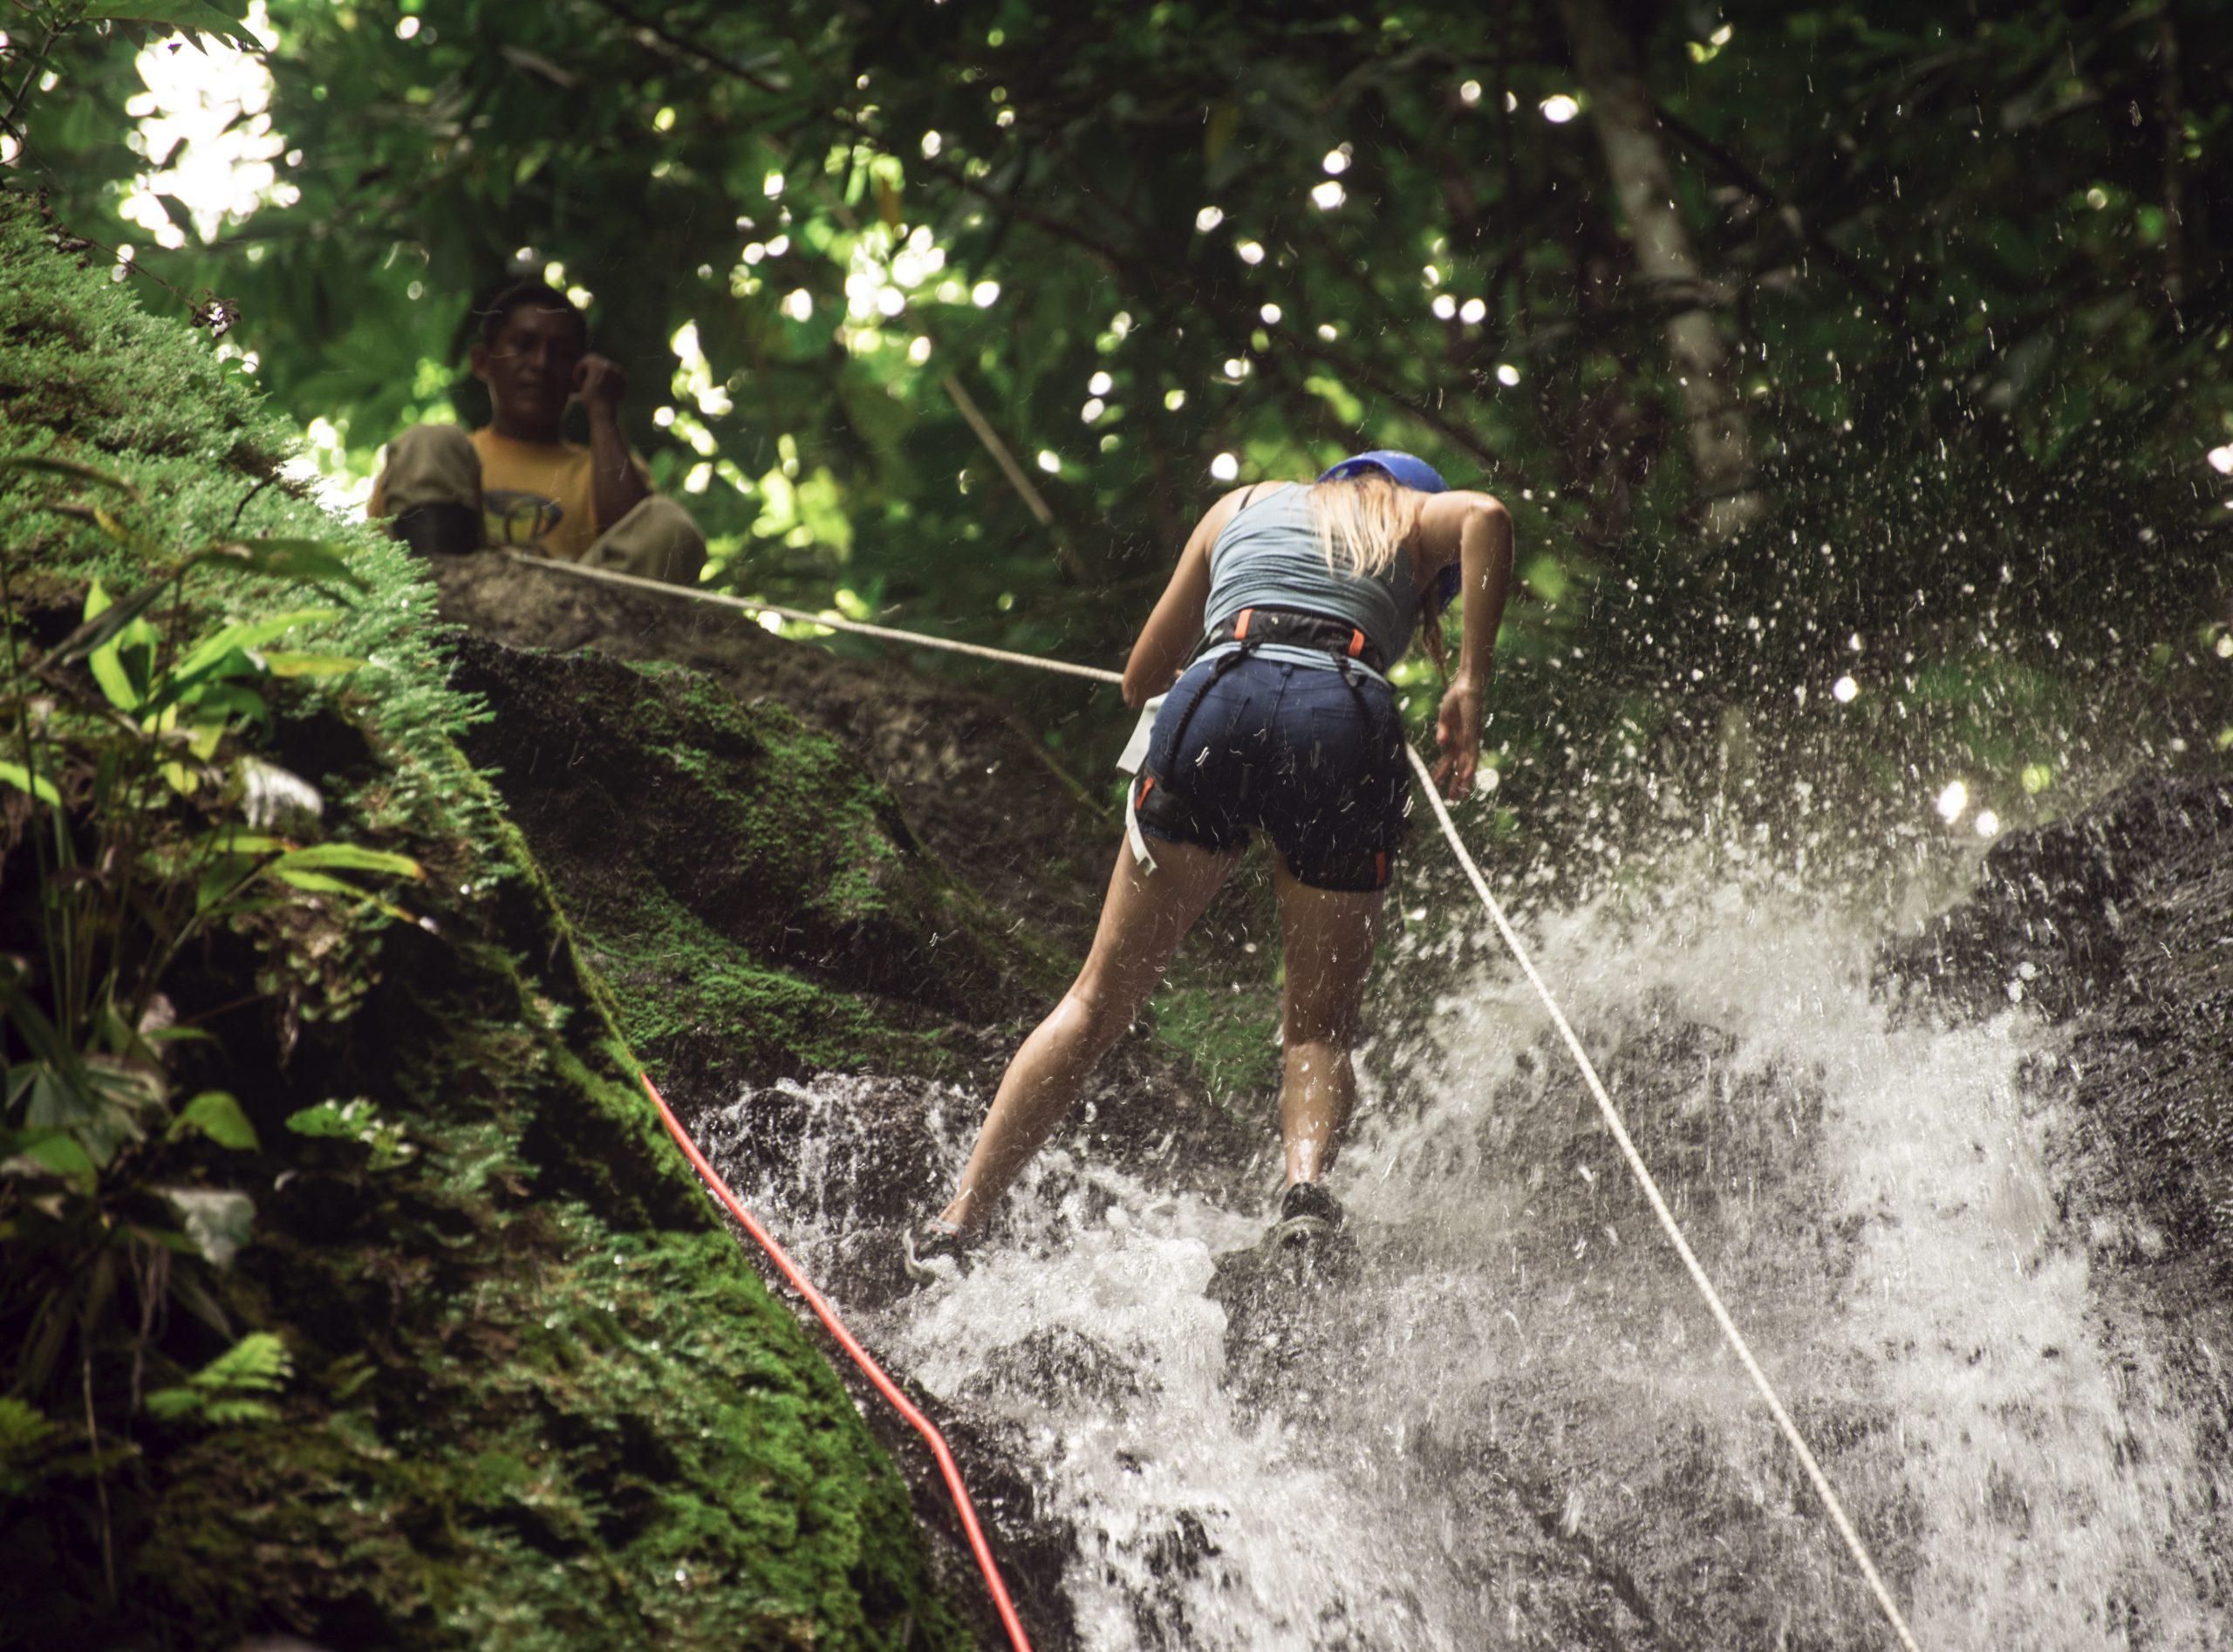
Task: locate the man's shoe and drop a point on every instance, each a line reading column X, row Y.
column 439, row 530
column 1308, row 1214
column 922, row 1248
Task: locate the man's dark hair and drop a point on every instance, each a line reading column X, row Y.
column 514, row 295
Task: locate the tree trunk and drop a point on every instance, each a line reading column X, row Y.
column 1721, row 441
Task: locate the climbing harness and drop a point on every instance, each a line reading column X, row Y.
column 1259, row 627
column 1611, row 1113
column 1240, row 635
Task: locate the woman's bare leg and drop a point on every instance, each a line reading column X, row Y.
column 1144, row 919
column 1326, row 935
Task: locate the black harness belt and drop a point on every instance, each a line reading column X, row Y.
column 1295, row 629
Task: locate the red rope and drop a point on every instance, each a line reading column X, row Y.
column 884, row 1385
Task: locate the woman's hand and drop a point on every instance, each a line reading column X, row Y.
column 1457, row 731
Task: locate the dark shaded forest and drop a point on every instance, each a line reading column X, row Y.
column 1775, row 327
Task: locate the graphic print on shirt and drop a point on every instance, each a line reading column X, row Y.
column 516, row 520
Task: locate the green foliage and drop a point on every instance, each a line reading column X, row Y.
column 1974, row 325
column 218, row 1117
column 25, row 1436
column 359, row 1119
column 749, row 959
column 236, row 1387
column 189, row 18
column 144, row 794
column 493, row 1433
column 38, row 1454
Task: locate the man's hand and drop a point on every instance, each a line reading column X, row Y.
column 600, row 383
column 1458, row 731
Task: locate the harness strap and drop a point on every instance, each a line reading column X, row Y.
column 1293, row 627
column 1133, row 835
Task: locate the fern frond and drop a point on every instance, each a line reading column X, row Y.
column 229, row 1389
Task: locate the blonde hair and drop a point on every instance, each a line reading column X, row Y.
column 1360, row 520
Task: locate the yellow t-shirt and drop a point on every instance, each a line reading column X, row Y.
column 537, row 496
column 534, row 496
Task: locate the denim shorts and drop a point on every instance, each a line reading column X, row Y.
column 1311, row 755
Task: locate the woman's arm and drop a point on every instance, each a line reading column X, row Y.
column 1176, row 625
column 1474, row 530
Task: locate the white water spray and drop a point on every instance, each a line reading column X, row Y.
column 1519, row 1427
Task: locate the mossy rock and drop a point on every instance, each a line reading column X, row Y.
column 537, row 1398
column 760, row 904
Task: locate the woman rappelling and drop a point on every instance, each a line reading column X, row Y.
column 1288, row 606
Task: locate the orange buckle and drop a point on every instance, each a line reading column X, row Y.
column 1240, row 629
column 1357, row 644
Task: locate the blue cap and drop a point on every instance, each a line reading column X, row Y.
column 1407, row 471
column 1413, row 472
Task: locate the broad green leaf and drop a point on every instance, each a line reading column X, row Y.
column 328, row 1119
column 312, row 882
column 23, row 780
column 230, row 699
column 218, row 1117
column 106, row 663
column 203, row 740
column 189, row 18
column 74, row 471
column 60, row 1154
column 316, row 883
column 315, row 561
column 243, row 635
column 349, row 857
column 110, row 622
column 58, row 1099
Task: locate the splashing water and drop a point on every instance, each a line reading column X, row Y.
column 1518, row 1426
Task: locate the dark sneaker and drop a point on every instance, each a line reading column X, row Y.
column 1307, row 1213
column 439, row 530
column 922, row 1248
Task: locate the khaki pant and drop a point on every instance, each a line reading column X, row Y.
column 437, row 465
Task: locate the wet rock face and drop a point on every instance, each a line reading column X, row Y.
column 2048, row 925
column 2119, row 924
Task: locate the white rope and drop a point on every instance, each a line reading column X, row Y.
column 1666, row 1217
column 1612, row 1114
column 833, row 622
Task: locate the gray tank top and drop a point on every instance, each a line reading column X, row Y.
column 1269, row 556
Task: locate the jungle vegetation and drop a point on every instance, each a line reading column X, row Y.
column 1776, row 327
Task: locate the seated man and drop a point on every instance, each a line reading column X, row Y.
column 519, row 484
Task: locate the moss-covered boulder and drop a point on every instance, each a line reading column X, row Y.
column 759, row 903
column 516, row 1387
